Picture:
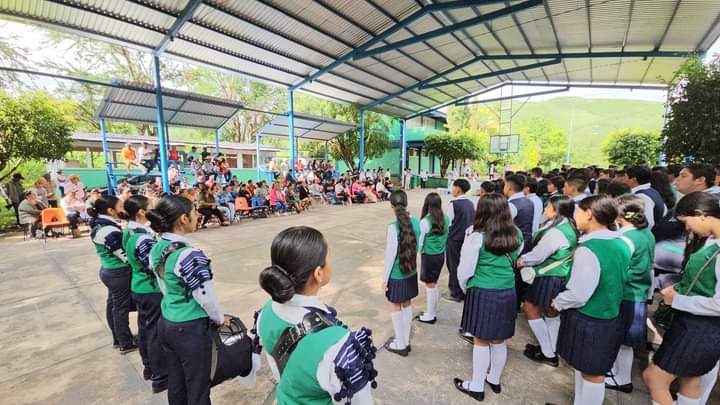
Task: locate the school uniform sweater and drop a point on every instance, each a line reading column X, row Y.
column 461, row 213
column 392, row 259
column 106, row 235
column 555, row 244
column 654, row 205
column 704, row 298
column 138, row 242
column 640, row 271
column 431, row 243
column 480, row 268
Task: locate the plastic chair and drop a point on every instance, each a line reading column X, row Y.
column 242, row 209
column 52, row 218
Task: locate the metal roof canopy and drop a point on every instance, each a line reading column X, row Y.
column 307, row 126
column 83, row 138
column 401, row 57
column 136, row 102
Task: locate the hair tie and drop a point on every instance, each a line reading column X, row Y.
column 283, row 271
column 629, row 215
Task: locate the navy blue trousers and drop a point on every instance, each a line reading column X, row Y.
column 452, row 253
column 187, row 347
column 117, row 308
column 151, row 351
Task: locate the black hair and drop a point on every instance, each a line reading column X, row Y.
column 102, row 204
column 516, row 181
column 558, row 182
column 640, row 173
column 602, row 185
column 499, row 185
column 660, row 182
column 695, row 204
column 494, row 219
column 542, row 188
column 604, row 210
column 536, row 171
column 462, row 184
column 295, row 253
column 617, row 188
column 632, row 209
column 488, row 186
column 407, row 242
column 702, row 170
column 564, row 208
column 167, row 211
column 580, row 183
column 433, row 207
column 532, row 184
column 133, row 205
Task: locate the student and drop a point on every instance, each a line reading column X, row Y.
column 575, row 188
column 189, row 304
column 633, row 309
column 486, row 274
column 486, row 187
column 106, row 235
column 330, row 363
column 639, row 179
column 400, row 278
column 434, row 227
column 521, row 208
column 137, row 241
column 460, row 213
column 549, row 260
column 556, row 185
column 690, row 346
column 530, row 191
column 589, row 340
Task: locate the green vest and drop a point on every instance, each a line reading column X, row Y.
column 495, row 271
column 298, row 382
column 614, row 258
column 178, row 304
column 142, row 281
column 562, row 270
column 395, row 274
column 434, row 244
column 108, row 260
column 705, row 286
column 640, row 275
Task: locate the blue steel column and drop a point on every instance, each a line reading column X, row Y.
column 326, row 150
column 403, row 148
column 161, row 126
column 361, row 162
column 106, row 154
column 291, row 131
column 217, row 141
column 257, row 155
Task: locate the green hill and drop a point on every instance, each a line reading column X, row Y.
column 593, row 120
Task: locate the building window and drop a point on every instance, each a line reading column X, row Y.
column 248, row 161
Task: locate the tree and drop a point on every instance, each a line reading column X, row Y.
column 449, row 147
column 10, row 55
column 545, row 140
column 692, row 128
column 32, row 126
column 632, row 146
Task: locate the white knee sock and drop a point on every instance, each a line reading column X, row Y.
column 683, row 400
column 540, row 329
column 498, row 358
column 553, row 326
column 398, row 321
column 407, row 318
column 481, row 362
column 592, row 393
column 622, row 369
column 430, row 311
column 707, row 382
column 578, row 388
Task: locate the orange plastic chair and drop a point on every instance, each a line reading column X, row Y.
column 242, row 208
column 53, row 218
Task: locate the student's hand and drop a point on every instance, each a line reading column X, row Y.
column 668, row 294
column 384, row 286
column 519, row 263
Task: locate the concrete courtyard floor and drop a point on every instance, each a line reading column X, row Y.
column 56, row 347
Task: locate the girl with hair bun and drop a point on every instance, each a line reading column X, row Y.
column 487, row 277
column 690, row 349
column 546, row 267
column 312, row 355
column 189, row 304
column 138, row 241
column 636, row 291
column 590, row 305
column 400, row 277
column 115, row 272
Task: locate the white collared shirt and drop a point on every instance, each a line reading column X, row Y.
column 513, row 209
column 450, row 210
column 537, row 211
column 649, row 203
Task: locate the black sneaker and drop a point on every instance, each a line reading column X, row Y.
column 159, row 386
column 128, row 348
column 541, row 358
column 626, row 388
column 476, row 395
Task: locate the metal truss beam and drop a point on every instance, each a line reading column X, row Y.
column 177, row 25
column 493, row 74
column 538, row 93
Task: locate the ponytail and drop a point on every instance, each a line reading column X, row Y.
column 170, row 208
column 133, row 205
column 102, row 205
column 407, row 242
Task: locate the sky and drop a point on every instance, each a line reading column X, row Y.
column 34, row 38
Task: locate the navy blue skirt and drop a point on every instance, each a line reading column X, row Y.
column 633, row 316
column 543, row 290
column 691, row 347
column 402, row 290
column 490, row 314
column 431, row 266
column 589, row 345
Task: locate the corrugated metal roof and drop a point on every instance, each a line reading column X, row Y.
column 284, row 42
column 135, row 102
column 307, row 126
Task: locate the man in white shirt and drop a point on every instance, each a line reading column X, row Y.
column 74, row 209
column 530, row 191
column 639, row 181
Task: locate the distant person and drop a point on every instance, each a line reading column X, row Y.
column 30, row 209
column 15, row 193
column 460, row 212
column 130, row 157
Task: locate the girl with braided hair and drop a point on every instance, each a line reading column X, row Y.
column 400, row 277
column 313, row 356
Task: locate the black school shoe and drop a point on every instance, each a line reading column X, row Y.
column 430, row 322
column 147, row 374
column 128, row 348
column 478, row 396
column 452, row 298
column 539, row 357
column 401, row 352
column 626, row 388
column 159, row 386
column 532, row 348
column 496, row 388
column 466, row 338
